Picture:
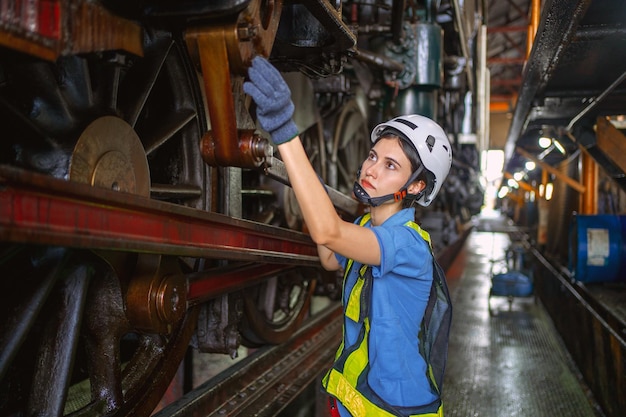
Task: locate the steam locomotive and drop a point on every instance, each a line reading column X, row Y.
column 143, row 211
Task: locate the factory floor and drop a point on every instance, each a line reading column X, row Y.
column 511, row 362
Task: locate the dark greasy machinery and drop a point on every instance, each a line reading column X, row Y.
column 569, row 121
column 142, row 212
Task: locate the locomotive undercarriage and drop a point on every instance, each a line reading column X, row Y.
column 107, row 308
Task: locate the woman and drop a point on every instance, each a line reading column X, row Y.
column 386, row 257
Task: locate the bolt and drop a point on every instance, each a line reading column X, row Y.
column 246, row 32
column 175, row 299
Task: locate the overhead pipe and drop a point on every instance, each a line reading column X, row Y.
column 378, row 60
column 593, row 104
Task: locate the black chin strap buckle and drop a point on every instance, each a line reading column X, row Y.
column 360, row 193
column 365, row 198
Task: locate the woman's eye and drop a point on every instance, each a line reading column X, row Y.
column 372, row 156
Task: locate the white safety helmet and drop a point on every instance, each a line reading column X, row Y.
column 432, row 146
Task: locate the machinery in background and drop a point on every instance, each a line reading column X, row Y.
column 145, row 99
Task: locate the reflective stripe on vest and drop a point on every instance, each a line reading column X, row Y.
column 346, row 380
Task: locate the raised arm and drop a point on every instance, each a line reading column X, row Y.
column 327, row 258
column 275, row 111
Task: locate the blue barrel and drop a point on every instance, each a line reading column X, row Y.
column 597, row 251
column 512, row 283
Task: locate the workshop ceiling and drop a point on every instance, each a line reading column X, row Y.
column 507, row 29
column 574, row 74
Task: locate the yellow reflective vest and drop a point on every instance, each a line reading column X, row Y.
column 347, row 379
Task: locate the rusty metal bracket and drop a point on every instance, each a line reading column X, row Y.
column 221, row 51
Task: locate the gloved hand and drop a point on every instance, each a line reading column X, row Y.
column 273, row 99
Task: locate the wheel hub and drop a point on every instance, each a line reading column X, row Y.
column 157, row 295
column 109, row 154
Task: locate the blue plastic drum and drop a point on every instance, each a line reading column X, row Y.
column 596, row 249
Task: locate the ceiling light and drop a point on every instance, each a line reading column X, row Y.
column 545, row 141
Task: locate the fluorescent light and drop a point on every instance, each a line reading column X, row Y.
column 549, row 190
column 560, row 147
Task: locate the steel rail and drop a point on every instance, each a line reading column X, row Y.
column 38, row 209
column 264, row 383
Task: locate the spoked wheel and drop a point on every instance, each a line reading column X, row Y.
column 124, row 123
column 349, row 147
column 275, row 309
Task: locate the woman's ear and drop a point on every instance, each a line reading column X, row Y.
column 416, row 187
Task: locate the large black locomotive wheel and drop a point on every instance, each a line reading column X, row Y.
column 125, row 123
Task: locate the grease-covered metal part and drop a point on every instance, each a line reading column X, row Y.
column 264, row 383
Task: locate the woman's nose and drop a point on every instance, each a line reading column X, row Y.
column 370, row 170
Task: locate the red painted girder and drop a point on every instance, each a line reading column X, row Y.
column 211, row 283
column 38, row 209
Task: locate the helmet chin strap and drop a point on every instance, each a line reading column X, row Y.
column 363, row 197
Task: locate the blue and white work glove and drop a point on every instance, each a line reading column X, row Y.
column 273, row 100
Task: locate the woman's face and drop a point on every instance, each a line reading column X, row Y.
column 386, row 168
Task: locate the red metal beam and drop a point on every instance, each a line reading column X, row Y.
column 209, row 284
column 41, row 210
